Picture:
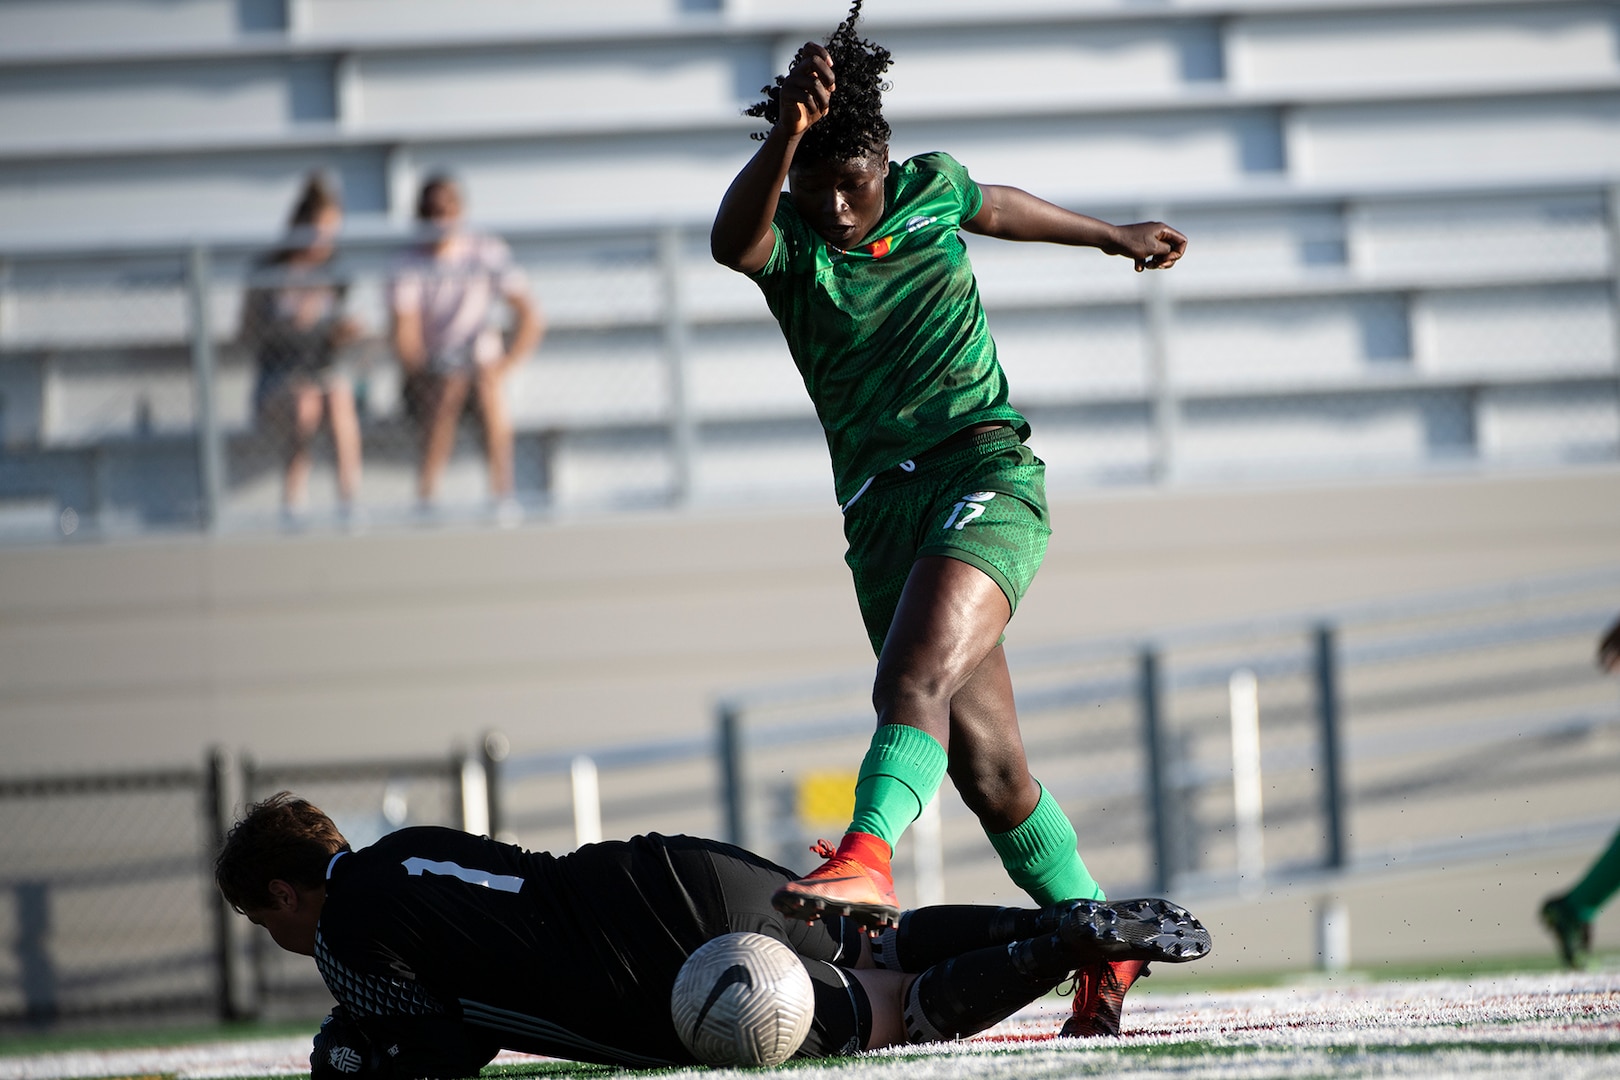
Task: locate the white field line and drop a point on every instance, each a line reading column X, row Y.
column 249, row 1057
column 1510, row 1026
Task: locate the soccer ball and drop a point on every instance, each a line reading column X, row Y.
column 742, row 999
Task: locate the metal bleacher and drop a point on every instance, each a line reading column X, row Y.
column 1405, row 221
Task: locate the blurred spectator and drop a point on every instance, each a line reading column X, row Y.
column 443, row 296
column 1569, row 916
column 293, row 320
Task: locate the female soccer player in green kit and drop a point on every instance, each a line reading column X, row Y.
column 944, row 506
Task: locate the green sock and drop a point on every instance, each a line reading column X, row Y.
column 900, row 773
column 1041, row 859
column 1600, row 883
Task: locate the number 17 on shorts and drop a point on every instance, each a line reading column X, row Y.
column 970, row 506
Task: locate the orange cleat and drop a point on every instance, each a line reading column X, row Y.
column 1099, row 994
column 854, row 881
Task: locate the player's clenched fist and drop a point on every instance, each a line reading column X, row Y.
column 1151, row 245
column 807, row 90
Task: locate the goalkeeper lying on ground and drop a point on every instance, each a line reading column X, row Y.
column 442, row 947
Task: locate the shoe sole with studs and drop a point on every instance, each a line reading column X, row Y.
column 1147, row 929
column 809, row 909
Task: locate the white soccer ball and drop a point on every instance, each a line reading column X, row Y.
column 743, row 999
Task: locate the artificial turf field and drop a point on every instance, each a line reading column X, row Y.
column 1534, row 1024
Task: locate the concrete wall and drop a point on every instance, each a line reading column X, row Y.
column 603, row 631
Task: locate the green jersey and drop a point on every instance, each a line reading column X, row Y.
column 889, row 336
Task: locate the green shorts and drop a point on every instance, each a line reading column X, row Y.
column 982, row 501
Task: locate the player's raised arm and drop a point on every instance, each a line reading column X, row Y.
column 1009, row 213
column 741, row 237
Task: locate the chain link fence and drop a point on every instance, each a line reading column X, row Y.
column 106, row 886
column 1310, row 338
column 107, row 896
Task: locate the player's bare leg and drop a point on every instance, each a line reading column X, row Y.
column 990, row 770
column 886, row 993
column 987, row 761
column 949, row 618
column 1035, row 839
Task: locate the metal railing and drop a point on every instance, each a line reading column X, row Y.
column 107, row 882
column 1358, row 709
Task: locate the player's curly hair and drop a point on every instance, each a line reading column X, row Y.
column 282, row 838
column 854, row 124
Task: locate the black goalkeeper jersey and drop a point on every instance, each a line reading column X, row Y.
column 432, row 934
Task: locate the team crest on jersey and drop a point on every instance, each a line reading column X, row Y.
column 879, row 248
column 875, row 250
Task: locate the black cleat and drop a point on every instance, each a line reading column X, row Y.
column 1050, row 917
column 1155, row 930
